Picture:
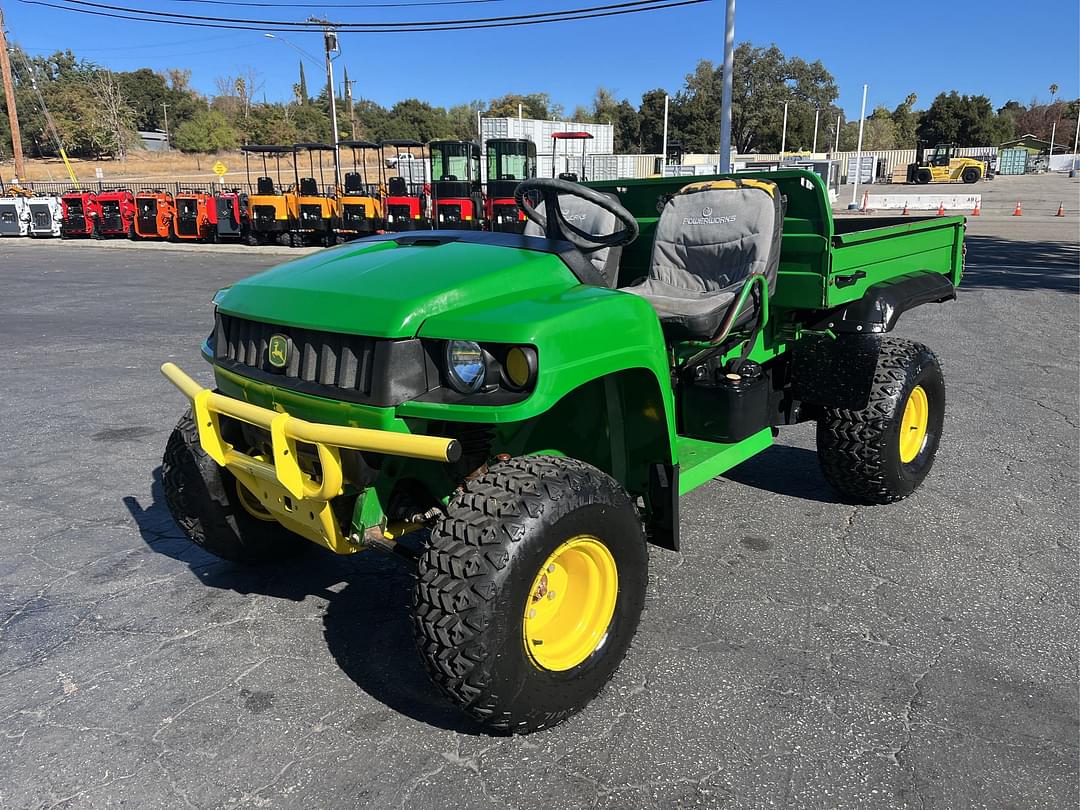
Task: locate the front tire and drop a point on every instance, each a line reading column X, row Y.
column 883, row 452
column 971, row 175
column 530, row 592
column 923, row 176
column 212, row 507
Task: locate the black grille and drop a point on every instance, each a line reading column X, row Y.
column 42, row 217
column 322, row 358
column 311, row 216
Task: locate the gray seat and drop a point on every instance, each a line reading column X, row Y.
column 593, row 219
column 711, row 236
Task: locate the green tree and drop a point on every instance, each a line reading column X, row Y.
column 300, row 89
column 533, row 105
column 651, row 121
column 965, row 120
column 207, row 131
column 906, row 122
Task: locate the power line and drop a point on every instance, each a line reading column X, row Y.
column 314, row 24
column 248, row 3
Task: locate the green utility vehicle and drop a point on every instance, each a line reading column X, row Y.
column 518, row 414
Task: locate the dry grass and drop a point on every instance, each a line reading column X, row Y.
column 146, row 166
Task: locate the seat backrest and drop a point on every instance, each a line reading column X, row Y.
column 397, row 187
column 308, row 187
column 591, row 218
column 713, row 234
column 354, row 183
column 264, row 185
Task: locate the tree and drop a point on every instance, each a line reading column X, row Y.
column 300, row 89
column 651, row 121
column 533, row 105
column 965, row 120
column 113, row 116
column 207, row 131
column 906, row 122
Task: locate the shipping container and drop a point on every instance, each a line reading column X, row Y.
column 1013, row 161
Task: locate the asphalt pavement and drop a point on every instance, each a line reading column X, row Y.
column 799, row 652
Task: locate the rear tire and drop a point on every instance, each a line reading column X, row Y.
column 923, row 176
column 205, row 503
column 484, row 575
column 971, row 175
column 872, row 455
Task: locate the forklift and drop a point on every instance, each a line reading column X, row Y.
column 509, row 161
column 943, row 166
column 196, row 216
column 406, row 202
column 270, row 217
column 154, row 213
column 566, row 137
column 361, row 204
column 313, row 204
column 457, row 193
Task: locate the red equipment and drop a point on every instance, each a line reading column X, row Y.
column 81, row 214
column 196, row 216
column 117, row 213
column 584, row 137
column 154, row 213
column 455, row 184
column 406, row 200
column 231, row 214
column 509, row 161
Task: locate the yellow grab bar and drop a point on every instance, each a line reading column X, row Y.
column 286, row 430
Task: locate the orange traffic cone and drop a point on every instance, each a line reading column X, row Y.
column 904, row 213
column 1018, row 212
column 976, row 211
column 865, row 200
column 941, row 209
column 1061, row 210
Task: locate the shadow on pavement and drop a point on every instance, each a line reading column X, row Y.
column 790, row 471
column 996, row 263
column 366, row 625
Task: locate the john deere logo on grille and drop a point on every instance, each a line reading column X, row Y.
column 278, row 351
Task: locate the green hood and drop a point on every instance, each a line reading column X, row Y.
column 384, row 289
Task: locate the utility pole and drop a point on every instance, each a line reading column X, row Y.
column 165, row 107
column 783, row 135
column 348, row 100
column 725, row 98
column 9, row 96
column 330, row 41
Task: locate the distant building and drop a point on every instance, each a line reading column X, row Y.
column 154, row 140
column 1036, row 146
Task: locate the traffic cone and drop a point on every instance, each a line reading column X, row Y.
column 1018, row 212
column 865, row 200
column 976, row 211
column 1061, row 210
column 904, row 213
column 941, row 209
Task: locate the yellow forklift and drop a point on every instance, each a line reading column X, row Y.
column 268, row 203
column 361, row 203
column 943, row 166
column 313, row 204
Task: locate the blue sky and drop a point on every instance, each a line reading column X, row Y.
column 974, row 46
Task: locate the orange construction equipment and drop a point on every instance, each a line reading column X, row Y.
column 1061, row 210
column 976, row 211
column 1018, row 212
column 941, row 209
column 904, row 213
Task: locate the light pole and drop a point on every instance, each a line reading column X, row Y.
column 817, row 115
column 165, row 107
column 663, row 159
column 331, row 43
column 725, row 98
column 858, row 153
column 783, row 135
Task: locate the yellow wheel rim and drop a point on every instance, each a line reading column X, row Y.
column 570, row 604
column 251, row 504
column 913, row 425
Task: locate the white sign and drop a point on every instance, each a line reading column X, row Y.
column 99, row 174
column 923, row 202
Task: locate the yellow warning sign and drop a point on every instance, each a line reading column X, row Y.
column 220, row 168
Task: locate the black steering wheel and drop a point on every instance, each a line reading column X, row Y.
column 557, row 227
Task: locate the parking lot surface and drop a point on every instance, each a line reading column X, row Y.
column 799, row 652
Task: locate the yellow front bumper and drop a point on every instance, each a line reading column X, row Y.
column 296, row 499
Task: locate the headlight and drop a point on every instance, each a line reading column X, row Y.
column 520, row 367
column 465, row 364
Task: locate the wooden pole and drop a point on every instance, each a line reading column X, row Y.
column 9, row 95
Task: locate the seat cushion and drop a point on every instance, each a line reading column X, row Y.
column 711, row 237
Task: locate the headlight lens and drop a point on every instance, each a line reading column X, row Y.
column 465, row 365
column 520, row 366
